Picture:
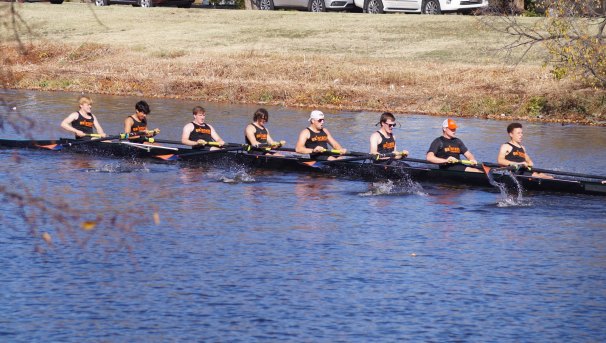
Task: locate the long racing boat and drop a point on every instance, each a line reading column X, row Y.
column 360, row 167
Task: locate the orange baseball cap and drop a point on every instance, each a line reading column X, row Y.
column 449, row 123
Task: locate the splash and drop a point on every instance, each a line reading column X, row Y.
column 512, row 192
column 389, row 187
column 239, row 177
column 119, row 168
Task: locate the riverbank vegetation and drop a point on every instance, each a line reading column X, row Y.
column 442, row 65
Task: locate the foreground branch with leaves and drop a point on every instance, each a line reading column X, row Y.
column 572, row 31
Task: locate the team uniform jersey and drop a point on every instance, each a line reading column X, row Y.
column 84, row 124
column 386, row 145
column 261, row 137
column 517, row 154
column 139, row 127
column 200, row 132
column 317, row 139
column 443, row 148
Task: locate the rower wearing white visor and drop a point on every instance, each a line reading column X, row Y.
column 314, row 139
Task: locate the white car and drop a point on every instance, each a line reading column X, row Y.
column 310, row 5
column 419, row 6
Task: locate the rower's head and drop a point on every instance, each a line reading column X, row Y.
column 142, row 109
column 316, row 118
column 85, row 103
column 261, row 116
column 387, row 122
column 199, row 114
column 449, row 128
column 515, row 132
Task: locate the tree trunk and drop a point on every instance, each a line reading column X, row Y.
column 249, row 5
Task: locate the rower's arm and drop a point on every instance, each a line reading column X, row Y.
column 501, row 160
column 528, row 159
column 66, row 124
column 333, row 142
column 431, row 157
column 187, row 129
column 98, row 126
column 374, row 142
column 470, row 156
column 128, row 124
column 215, row 136
column 300, row 147
column 249, row 132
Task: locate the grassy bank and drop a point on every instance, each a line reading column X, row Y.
column 443, row 65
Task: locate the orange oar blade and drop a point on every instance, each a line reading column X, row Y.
column 486, row 168
column 50, row 146
column 169, row 157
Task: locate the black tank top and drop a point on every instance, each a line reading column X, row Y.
column 201, row 132
column 260, row 135
column 138, row 126
column 517, row 155
column 387, row 145
column 316, row 139
column 83, row 124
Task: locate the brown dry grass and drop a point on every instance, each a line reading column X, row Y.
column 401, row 63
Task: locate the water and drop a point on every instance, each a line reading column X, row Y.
column 203, row 254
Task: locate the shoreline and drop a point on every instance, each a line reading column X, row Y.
column 291, row 59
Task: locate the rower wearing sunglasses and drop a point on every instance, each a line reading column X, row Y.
column 447, row 149
column 314, row 139
column 382, row 141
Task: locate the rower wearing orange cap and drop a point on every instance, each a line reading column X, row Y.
column 446, row 150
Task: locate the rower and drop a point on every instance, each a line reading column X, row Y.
column 314, row 139
column 447, row 149
column 198, row 133
column 137, row 123
column 514, row 154
column 383, row 141
column 82, row 122
column 257, row 135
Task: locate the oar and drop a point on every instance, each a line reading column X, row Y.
column 555, row 172
column 226, row 148
column 59, row 146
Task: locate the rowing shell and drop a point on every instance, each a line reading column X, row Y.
column 366, row 170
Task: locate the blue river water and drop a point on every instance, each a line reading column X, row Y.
column 103, row 250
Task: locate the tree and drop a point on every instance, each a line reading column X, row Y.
column 572, row 31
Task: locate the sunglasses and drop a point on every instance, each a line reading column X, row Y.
column 320, row 120
column 391, row 125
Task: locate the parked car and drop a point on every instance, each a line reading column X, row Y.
column 420, row 6
column 147, row 3
column 309, row 5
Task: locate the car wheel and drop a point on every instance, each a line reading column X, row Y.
column 146, row 3
column 431, row 7
column 265, row 5
column 102, row 2
column 374, row 7
column 317, row 6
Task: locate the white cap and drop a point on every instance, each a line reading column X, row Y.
column 315, row 114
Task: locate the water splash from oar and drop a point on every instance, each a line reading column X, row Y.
column 512, row 193
column 400, row 187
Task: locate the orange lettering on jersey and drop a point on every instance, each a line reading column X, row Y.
column 520, row 154
column 319, row 139
column 452, row 149
column 389, row 145
column 86, row 123
column 202, row 130
column 139, row 129
column 261, row 136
